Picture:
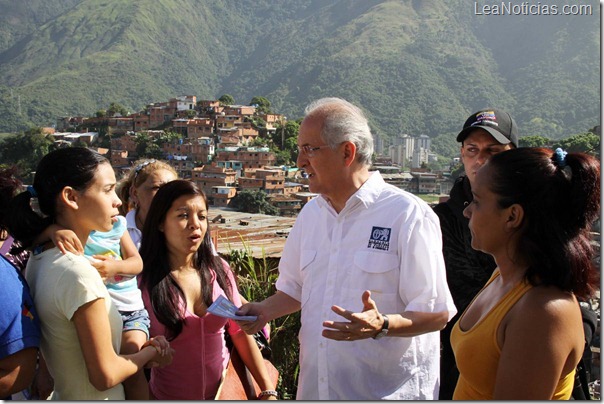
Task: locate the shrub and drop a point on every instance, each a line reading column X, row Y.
column 256, row 281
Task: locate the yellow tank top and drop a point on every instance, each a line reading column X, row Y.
column 477, row 352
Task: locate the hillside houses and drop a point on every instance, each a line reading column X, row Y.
column 214, row 146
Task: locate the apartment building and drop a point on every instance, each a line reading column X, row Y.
column 200, row 151
column 287, row 205
column 210, row 176
column 161, row 113
column 141, row 121
column 273, row 180
column 423, row 183
column 221, row 196
column 249, row 157
column 193, row 128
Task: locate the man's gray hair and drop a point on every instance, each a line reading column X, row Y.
column 343, row 121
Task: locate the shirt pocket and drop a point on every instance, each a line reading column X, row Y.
column 307, row 258
column 380, row 274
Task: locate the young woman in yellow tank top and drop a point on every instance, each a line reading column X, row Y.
column 522, row 335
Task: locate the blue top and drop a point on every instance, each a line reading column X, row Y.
column 123, row 289
column 19, row 322
column 107, row 242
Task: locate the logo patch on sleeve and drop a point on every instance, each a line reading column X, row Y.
column 380, row 238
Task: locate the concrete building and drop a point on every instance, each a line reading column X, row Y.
column 221, row 196
column 209, row 176
column 287, row 205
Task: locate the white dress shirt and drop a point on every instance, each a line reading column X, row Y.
column 385, row 240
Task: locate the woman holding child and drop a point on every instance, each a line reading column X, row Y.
column 81, row 327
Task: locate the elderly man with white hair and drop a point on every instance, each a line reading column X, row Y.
column 364, row 265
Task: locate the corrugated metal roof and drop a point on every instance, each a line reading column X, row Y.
column 261, row 234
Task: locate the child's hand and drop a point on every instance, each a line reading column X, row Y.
column 66, row 240
column 106, row 265
column 164, row 353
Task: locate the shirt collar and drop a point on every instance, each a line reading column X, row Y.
column 131, row 219
column 367, row 194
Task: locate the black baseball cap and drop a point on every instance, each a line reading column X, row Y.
column 498, row 123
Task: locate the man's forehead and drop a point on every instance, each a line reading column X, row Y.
column 311, row 127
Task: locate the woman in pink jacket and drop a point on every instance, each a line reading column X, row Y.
column 181, row 278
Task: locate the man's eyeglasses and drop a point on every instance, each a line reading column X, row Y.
column 308, row 150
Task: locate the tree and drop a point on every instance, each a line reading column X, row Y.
column 582, row 142
column 260, row 141
column 282, row 133
column 291, row 147
column 262, row 104
column 151, row 147
column 167, row 137
column 253, row 202
column 105, row 135
column 445, row 145
column 282, row 157
column 115, row 108
column 101, row 113
column 457, row 170
column 143, row 142
column 257, row 122
column 25, row 150
column 441, row 163
column 154, row 152
column 534, row 141
column 226, row 99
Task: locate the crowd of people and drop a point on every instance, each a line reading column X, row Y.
column 478, row 298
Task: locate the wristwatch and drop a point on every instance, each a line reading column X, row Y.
column 384, row 331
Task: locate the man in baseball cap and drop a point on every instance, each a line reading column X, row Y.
column 485, row 133
column 496, row 122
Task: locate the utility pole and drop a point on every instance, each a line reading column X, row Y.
column 283, row 132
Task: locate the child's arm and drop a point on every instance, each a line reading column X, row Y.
column 64, row 239
column 130, row 264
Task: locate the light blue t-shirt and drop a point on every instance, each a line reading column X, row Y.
column 122, row 289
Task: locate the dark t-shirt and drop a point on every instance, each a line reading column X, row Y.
column 467, row 271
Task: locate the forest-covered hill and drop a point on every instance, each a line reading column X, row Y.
column 416, row 66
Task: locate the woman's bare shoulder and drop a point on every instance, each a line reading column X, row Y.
column 547, row 304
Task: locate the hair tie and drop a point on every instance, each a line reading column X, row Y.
column 560, row 157
column 34, row 203
column 32, row 191
column 142, row 165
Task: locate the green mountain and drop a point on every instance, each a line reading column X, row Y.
column 416, row 66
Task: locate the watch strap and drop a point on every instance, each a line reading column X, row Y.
column 384, row 331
